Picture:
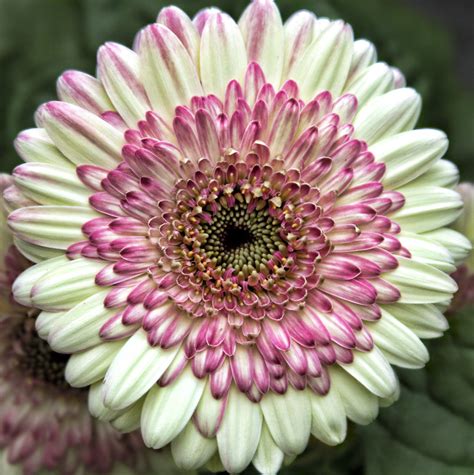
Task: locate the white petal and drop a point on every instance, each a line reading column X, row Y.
column 363, row 55
column 191, row 450
column 223, row 55
column 135, row 369
column 326, row 63
column 361, row 406
column 442, row 173
column 66, row 284
column 300, row 30
column 388, row 401
column 420, row 283
column 56, row 227
column 166, row 69
column 409, row 154
column 35, row 145
column 457, row 244
column 426, row 320
column 96, row 404
column 373, row 371
column 371, row 82
column 81, row 135
column 35, row 253
column 89, row 366
column 168, row 409
column 78, row 329
column 262, row 30
column 288, row 417
column 399, row 344
column 45, row 321
column 329, row 423
column 240, row 431
column 427, row 208
column 427, row 251
column 51, row 185
column 182, row 26
column 393, row 112
column 209, row 413
column 14, row 199
column 118, row 69
column 84, row 91
column 269, row 456
column 215, row 464
column 129, row 421
column 23, row 285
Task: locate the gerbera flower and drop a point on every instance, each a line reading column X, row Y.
column 45, row 424
column 464, row 275
column 237, row 231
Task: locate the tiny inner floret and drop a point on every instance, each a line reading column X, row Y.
column 240, row 239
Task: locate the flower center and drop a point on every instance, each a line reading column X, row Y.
column 240, row 239
column 36, row 359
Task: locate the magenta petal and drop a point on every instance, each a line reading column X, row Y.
column 254, row 80
column 241, row 365
column 339, row 267
column 386, row 292
column 113, row 329
column 295, row 358
column 279, row 385
column 91, row 176
column 277, row 334
column 356, row 291
column 221, row 380
column 174, row 370
column 320, row 384
column 203, row 426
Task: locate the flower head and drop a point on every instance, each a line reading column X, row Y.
column 237, row 231
column 464, row 274
column 44, row 423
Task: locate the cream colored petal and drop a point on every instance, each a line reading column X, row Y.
column 222, row 53
column 329, row 423
column 56, row 227
column 66, row 284
column 288, row 416
column 427, row 208
column 135, row 369
column 191, row 450
column 391, row 113
column 81, row 135
column 262, row 30
column 409, row 154
column 420, row 283
column 35, row 145
column 167, row 410
column 398, row 343
column 168, row 73
column 89, row 366
column 326, row 62
column 78, row 329
column 373, row 371
column 361, row 405
column 239, row 434
column 51, row 185
column 269, row 457
column 425, row 320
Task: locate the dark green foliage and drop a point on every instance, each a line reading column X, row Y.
column 431, row 429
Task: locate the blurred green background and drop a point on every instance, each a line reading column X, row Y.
column 431, row 430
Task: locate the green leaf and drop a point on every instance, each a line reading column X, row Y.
column 431, row 429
